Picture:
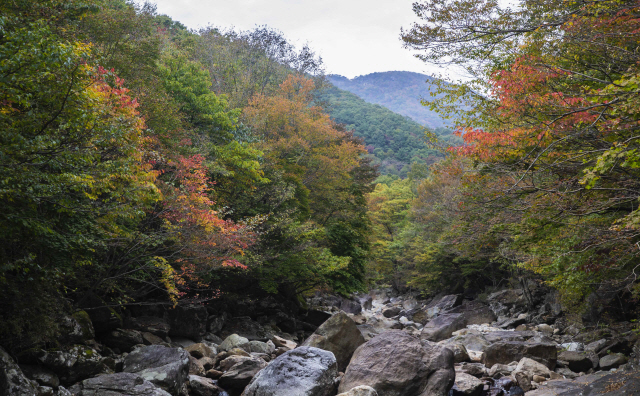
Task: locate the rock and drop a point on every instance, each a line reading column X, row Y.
column 574, row 346
column 612, row 361
column 460, row 353
column 200, row 386
column 443, row 305
column 123, row 339
column 232, row 341
column 304, row 371
column 213, row 338
column 238, row 352
column 474, row 312
column 545, row 328
column 508, row 351
column 350, row 306
column 76, row 329
column 396, row 363
column 125, row 384
column 151, row 339
column 316, row 317
column 207, row 362
column 340, row 335
column 150, row 324
column 74, row 364
column 577, row 361
column 41, row 375
column 609, row 384
column 476, row 369
column 240, row 374
column 227, row 363
column 12, row 381
column 259, row 347
column 524, row 381
column 441, row 327
column 366, row 301
column 466, row 385
column 213, row 374
column 188, row 321
column 200, row 350
column 104, row 319
column 165, row 367
column 251, row 330
column 361, row 390
column 499, row 370
column 512, row 323
column 472, row 341
column 532, row 367
column 195, row 367
column 281, row 342
column 538, row 379
column 215, row 323
column 391, row 312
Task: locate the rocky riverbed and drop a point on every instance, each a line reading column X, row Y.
column 375, row 344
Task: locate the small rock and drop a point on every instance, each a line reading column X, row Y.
column 466, row 385
column 214, row 374
column 361, row 390
column 201, row 386
column 239, row 375
column 200, row 350
column 281, row 342
column 612, row 361
column 232, row 341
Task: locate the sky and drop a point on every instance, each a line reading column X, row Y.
column 353, row 37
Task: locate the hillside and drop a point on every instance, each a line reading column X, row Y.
column 399, row 91
column 393, row 140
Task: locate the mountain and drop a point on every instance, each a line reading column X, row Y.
column 399, row 91
column 394, row 141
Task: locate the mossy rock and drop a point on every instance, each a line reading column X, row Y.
column 83, row 319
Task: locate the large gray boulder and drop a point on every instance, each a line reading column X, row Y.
column 188, row 321
column 73, row 364
column 340, row 335
column 441, row 327
column 579, row 361
column 12, row 380
column 506, row 352
column 395, row 363
column 165, row 367
column 240, row 374
column 304, row 371
column 120, row 384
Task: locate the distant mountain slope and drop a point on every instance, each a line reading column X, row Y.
column 399, row 91
column 393, row 140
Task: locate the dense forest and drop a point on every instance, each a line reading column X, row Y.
column 142, row 160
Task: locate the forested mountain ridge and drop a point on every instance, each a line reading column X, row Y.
column 393, row 141
column 399, row 91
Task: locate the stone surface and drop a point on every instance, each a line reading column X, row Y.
column 460, row 353
column 123, row 339
column 200, row 350
column 508, row 351
column 195, row 367
column 188, row 321
column 391, row 312
column 120, row 384
column 339, row 335
column 304, row 371
column 396, row 363
column 533, row 368
column 240, row 374
column 577, row 361
column 149, row 324
column 259, row 347
column 165, row 367
column 232, row 341
column 361, row 390
column 200, row 386
column 466, row 385
column 74, row 364
column 41, row 375
column 476, row 369
column 282, row 342
column 227, row 363
column 609, row 362
column 441, row 327
column 614, row 384
column 76, row 328
column 245, row 327
column 12, row 381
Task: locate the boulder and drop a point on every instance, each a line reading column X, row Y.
column 304, row 371
column 460, row 353
column 76, row 329
column 215, row 323
column 240, row 374
column 74, row 364
column 476, row 369
column 12, row 381
column 188, row 321
column 232, row 341
column 281, row 342
column 508, row 351
column 361, row 390
column 532, row 367
column 200, row 350
column 41, row 375
column 609, row 384
column 123, row 339
column 441, row 327
column 396, row 363
column 350, row 306
column 443, row 305
column 466, row 385
column 340, row 335
column 259, row 347
column 250, row 329
column 227, row 363
column 104, row 319
column 316, row 317
column 195, row 367
column 391, row 312
column 612, row 361
column 150, row 324
column 165, row 367
column 474, row 312
column 120, row 384
column 577, row 361
column 366, row 301
column 200, row 386
column 151, row 339
column 472, row 341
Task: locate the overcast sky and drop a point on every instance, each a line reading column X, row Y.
column 354, row 37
